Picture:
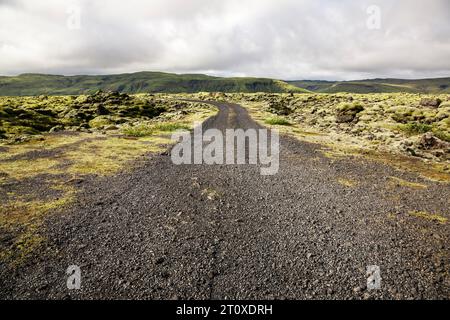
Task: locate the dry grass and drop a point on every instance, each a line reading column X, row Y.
column 429, row 216
column 350, row 183
column 27, row 217
column 340, row 146
column 210, row 193
column 64, row 157
column 394, row 181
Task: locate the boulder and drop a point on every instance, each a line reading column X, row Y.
column 345, row 117
column 81, row 100
column 100, row 122
column 430, row 102
column 101, row 110
column 56, row 128
column 347, row 112
column 279, row 108
column 429, row 142
column 111, row 128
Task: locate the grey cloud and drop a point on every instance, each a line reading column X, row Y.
column 287, row 39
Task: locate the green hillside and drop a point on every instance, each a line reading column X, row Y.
column 141, row 82
column 159, row 82
column 434, row 86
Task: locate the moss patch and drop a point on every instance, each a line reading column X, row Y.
column 210, row 193
column 415, row 128
column 53, row 162
column 108, row 156
column 144, row 130
column 429, row 216
column 24, row 220
column 277, row 121
column 350, row 183
column 377, row 138
column 400, row 182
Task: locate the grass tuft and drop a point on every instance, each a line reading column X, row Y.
column 444, row 136
column 429, row 216
column 347, row 182
column 408, row 184
column 415, row 128
column 145, row 130
column 277, row 121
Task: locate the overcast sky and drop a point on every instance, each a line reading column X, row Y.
column 285, row 39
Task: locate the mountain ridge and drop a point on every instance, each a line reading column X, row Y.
column 378, row 85
column 29, row 84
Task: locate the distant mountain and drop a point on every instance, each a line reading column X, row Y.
column 156, row 82
column 436, row 86
column 141, row 82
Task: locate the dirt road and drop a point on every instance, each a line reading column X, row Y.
column 224, row 231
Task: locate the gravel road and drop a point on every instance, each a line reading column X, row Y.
column 225, row 232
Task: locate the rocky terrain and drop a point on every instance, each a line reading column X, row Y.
column 100, row 191
column 51, row 146
column 409, row 124
column 165, row 231
column 24, row 117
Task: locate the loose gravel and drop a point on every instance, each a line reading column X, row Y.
column 225, row 232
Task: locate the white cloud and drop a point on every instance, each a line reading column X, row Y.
column 288, row 39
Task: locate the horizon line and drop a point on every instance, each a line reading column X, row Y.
column 215, row 76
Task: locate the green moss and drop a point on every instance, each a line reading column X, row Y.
column 277, row 121
column 144, row 130
column 402, row 114
column 62, row 158
column 100, row 122
column 445, row 136
column 24, row 169
column 350, row 107
column 141, row 130
column 415, row 128
column 170, row 126
column 347, row 112
column 105, row 157
column 443, row 113
column 35, row 115
column 27, row 217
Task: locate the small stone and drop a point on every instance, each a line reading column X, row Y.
column 357, row 290
column 111, row 128
column 159, row 260
column 366, row 296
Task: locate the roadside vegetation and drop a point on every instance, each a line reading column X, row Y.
column 277, row 121
column 429, row 216
column 408, row 130
column 145, row 130
column 50, row 146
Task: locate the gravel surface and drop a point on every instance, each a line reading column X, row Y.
column 226, row 232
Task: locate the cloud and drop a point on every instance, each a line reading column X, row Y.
column 286, row 39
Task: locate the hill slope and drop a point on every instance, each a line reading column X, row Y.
column 435, row 86
column 156, row 82
column 37, row 84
